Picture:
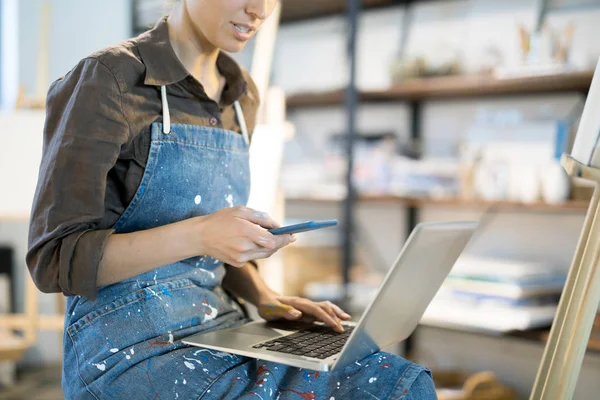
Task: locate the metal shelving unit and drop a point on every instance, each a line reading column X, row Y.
column 415, row 92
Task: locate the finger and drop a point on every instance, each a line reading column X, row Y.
column 329, row 310
column 279, row 310
column 260, row 254
column 340, row 313
column 283, row 240
column 238, row 256
column 264, row 239
column 311, row 308
column 257, row 217
column 261, row 237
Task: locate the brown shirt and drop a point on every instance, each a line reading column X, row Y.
column 96, row 143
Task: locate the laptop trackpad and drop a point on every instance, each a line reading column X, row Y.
column 272, row 329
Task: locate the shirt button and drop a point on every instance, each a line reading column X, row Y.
column 213, row 121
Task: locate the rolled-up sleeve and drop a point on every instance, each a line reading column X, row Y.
column 84, row 130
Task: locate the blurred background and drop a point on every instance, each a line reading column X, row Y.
column 390, row 113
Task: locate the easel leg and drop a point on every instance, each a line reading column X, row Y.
column 566, row 345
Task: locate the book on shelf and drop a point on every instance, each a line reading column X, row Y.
column 503, row 289
column 497, row 294
column 495, row 269
column 444, row 313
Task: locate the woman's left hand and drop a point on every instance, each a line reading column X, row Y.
column 276, row 307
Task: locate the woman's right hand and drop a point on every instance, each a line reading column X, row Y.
column 237, row 235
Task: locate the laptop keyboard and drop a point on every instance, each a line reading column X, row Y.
column 317, row 342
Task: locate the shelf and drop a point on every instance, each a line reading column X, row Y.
column 295, row 10
column 453, row 87
column 534, row 335
column 573, row 205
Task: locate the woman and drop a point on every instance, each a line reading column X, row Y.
column 138, row 218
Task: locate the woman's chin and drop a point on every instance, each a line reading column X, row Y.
column 233, row 45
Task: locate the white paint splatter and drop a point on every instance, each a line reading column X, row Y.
column 357, row 363
column 205, row 370
column 184, row 382
column 193, row 359
column 229, row 200
column 176, row 381
column 332, row 398
column 189, row 365
column 176, row 395
column 127, row 356
column 115, row 350
column 170, row 338
column 155, row 274
column 154, row 293
column 73, row 313
column 270, row 392
column 198, row 199
column 213, row 313
column 139, row 310
column 101, row 367
column 214, row 353
column 193, row 304
column 373, row 379
column 132, row 351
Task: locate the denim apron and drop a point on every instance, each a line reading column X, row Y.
column 126, row 343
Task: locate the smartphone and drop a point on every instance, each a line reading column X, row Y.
column 303, row 227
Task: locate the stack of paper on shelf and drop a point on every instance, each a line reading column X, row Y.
column 497, row 295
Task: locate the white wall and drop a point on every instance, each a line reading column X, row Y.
column 77, row 29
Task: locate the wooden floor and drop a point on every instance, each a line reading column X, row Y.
column 35, row 384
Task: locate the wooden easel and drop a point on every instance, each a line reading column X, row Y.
column 561, row 363
column 19, row 331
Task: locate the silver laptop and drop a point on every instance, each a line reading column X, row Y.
column 423, row 264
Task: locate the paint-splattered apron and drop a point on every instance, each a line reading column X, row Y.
column 126, row 343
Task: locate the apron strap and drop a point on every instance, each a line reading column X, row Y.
column 241, row 121
column 167, row 115
column 165, row 110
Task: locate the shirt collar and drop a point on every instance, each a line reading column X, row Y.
column 162, row 65
column 164, row 68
